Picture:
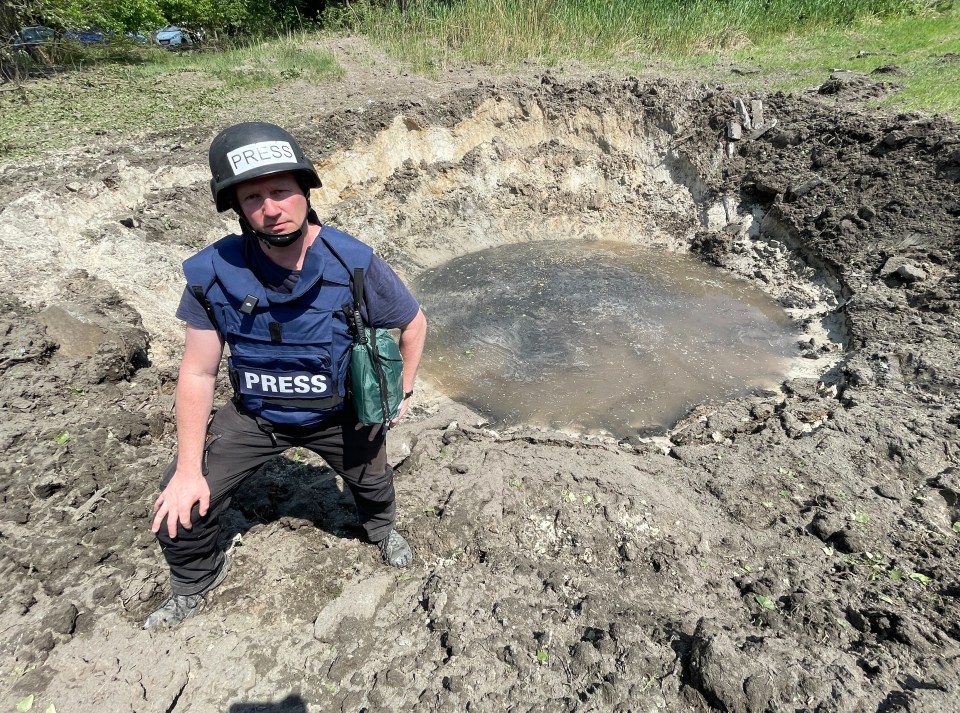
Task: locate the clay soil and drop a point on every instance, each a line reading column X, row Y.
column 791, row 550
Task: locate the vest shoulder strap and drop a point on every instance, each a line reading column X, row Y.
column 199, row 270
column 200, row 273
column 349, row 252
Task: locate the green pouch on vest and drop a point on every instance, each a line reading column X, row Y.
column 376, row 367
column 376, row 376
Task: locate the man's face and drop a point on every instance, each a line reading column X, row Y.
column 273, row 204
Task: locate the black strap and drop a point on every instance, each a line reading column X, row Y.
column 361, row 333
column 324, row 404
column 207, row 306
column 358, row 286
column 276, row 332
column 356, row 279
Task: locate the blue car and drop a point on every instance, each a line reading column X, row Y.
column 87, row 37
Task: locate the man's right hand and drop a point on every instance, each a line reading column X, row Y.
column 177, row 500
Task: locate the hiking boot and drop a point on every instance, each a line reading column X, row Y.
column 183, row 606
column 394, row 550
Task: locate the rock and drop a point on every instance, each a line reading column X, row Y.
column 794, row 427
column 891, row 266
column 765, row 187
column 76, row 338
column 62, row 618
column 806, row 388
column 911, row 273
column 802, row 189
column 850, row 540
column 714, row 666
column 825, row 525
column 891, row 489
column 359, row 600
column 734, row 131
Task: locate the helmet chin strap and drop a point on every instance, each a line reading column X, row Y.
column 273, row 240
column 282, row 240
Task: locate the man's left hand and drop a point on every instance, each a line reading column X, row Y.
column 375, row 429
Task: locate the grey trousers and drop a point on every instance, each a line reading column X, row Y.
column 237, row 445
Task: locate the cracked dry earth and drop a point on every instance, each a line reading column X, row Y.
column 790, row 550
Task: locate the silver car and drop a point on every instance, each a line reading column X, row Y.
column 175, row 37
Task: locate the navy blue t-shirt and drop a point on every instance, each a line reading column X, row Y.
column 388, row 303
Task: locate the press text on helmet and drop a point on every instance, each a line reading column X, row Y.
column 264, row 153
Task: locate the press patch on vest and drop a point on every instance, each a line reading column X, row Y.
column 289, row 384
column 264, row 153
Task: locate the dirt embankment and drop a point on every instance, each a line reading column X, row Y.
column 791, row 550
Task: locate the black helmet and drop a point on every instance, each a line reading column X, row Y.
column 251, row 150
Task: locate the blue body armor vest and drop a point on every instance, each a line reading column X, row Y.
column 289, row 353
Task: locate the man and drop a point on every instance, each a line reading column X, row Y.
column 278, row 294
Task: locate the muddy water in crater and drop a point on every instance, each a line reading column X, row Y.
column 596, row 336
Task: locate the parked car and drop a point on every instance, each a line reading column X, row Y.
column 27, row 37
column 87, row 37
column 175, row 37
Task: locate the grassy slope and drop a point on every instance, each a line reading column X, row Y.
column 152, row 90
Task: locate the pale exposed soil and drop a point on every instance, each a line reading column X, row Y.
column 793, row 550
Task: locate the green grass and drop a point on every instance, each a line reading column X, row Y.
column 499, row 31
column 919, row 46
column 151, row 89
column 791, row 44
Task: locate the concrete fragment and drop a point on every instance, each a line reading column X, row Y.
column 742, row 113
column 756, row 112
column 734, row 131
column 761, row 130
